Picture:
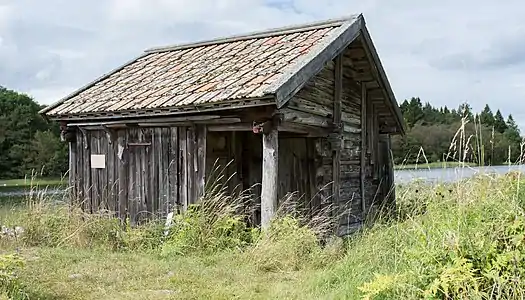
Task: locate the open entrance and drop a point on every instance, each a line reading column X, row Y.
column 240, row 155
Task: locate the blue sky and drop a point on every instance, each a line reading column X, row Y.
column 445, row 52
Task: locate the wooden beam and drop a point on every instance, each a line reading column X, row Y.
column 363, row 146
column 307, row 130
column 270, row 173
column 336, row 153
column 292, row 115
column 231, row 127
column 148, row 120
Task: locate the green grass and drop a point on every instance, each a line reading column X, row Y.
column 456, row 241
column 434, row 165
column 28, row 182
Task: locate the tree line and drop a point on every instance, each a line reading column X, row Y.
column 437, row 134
column 28, row 143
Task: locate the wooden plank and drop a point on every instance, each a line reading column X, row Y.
column 191, row 166
column 314, row 62
column 306, row 130
column 103, row 173
column 133, row 182
column 270, row 171
column 73, row 191
column 158, row 173
column 147, row 120
column 95, row 197
column 173, row 170
column 292, row 115
column 363, row 146
column 80, row 166
column 165, row 162
column 311, row 160
column 375, row 144
column 149, row 168
column 216, row 121
column 111, row 170
column 143, row 178
column 122, row 157
column 201, row 160
column 336, row 156
column 183, row 165
column 232, row 127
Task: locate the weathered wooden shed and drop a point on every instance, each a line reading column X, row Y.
column 304, row 109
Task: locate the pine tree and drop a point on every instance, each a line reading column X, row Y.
column 465, row 111
column 413, row 111
column 486, row 117
column 513, row 131
column 499, row 123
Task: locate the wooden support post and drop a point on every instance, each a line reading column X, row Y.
column 363, row 146
column 270, row 170
column 336, row 153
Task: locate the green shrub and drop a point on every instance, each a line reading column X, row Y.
column 10, row 286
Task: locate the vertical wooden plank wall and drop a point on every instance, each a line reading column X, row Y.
column 148, row 171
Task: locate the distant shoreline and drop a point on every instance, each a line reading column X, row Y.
column 434, row 165
column 7, row 184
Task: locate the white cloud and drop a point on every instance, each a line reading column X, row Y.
column 444, row 52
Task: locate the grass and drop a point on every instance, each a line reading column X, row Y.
column 462, row 240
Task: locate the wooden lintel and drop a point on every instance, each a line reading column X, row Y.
column 270, row 171
column 231, row 127
column 309, row 131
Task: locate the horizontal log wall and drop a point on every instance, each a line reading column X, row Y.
column 314, row 106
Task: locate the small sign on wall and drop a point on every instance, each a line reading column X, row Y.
column 98, row 161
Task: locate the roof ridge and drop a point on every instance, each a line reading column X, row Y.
column 259, row 34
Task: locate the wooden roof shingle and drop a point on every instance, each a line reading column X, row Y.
column 253, row 69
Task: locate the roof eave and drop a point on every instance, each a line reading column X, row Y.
column 298, row 74
column 264, row 100
column 384, row 79
column 46, row 109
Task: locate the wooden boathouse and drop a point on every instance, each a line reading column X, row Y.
column 304, row 109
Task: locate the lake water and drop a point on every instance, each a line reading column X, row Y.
column 451, row 174
column 401, row 176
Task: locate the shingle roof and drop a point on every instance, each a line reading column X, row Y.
column 225, row 71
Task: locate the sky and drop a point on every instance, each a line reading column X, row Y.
column 445, row 52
